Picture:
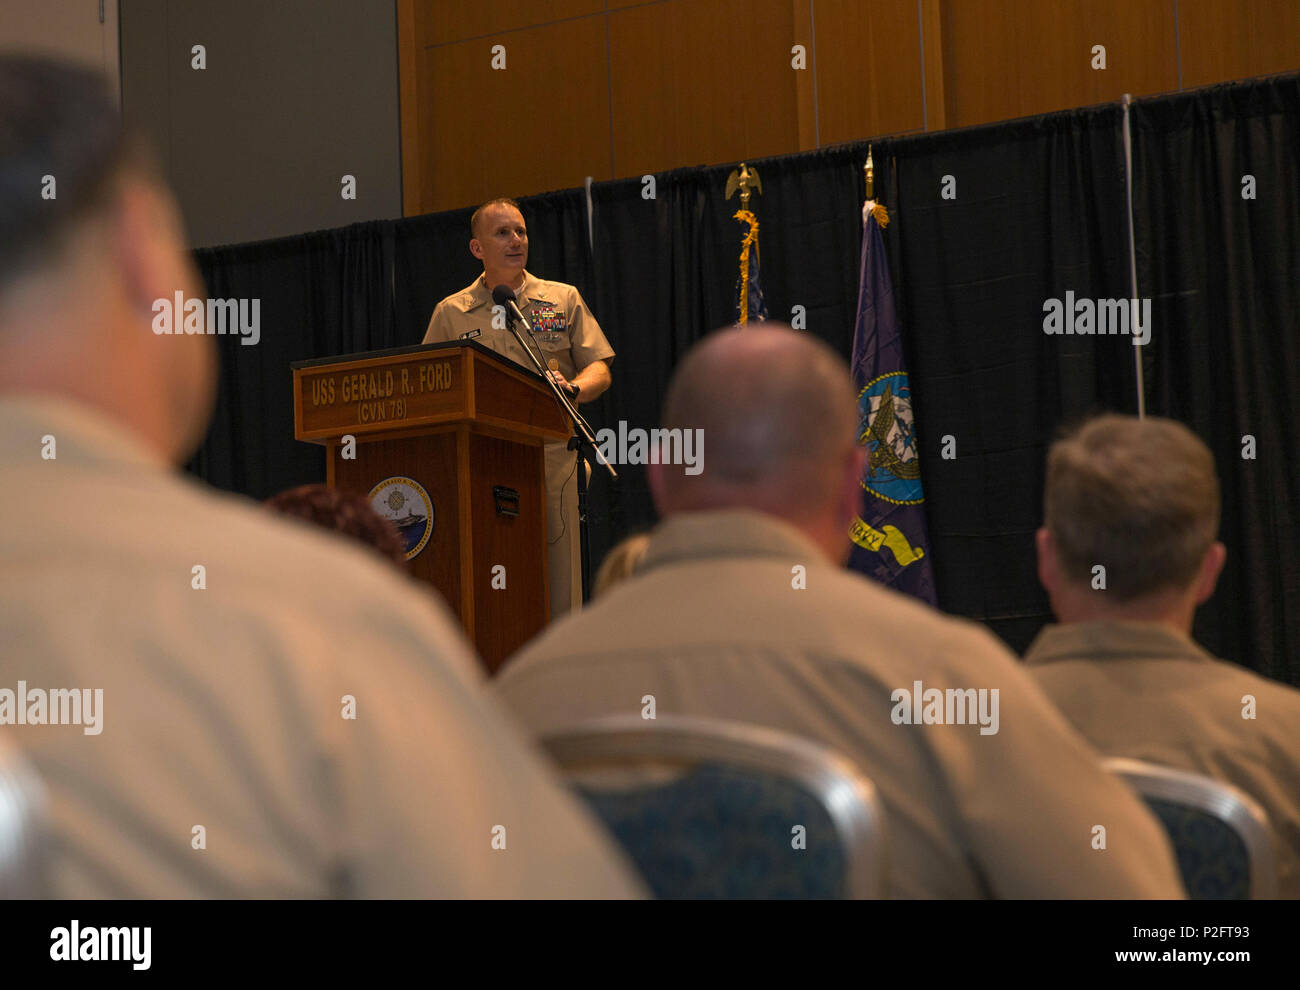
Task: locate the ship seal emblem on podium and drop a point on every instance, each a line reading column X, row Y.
column 405, row 503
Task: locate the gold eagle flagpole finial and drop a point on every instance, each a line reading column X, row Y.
column 871, row 208
column 747, row 181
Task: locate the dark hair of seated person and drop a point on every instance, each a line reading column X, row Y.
column 343, row 512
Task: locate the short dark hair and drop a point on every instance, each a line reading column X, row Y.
column 503, row 201
column 342, row 512
column 1137, row 496
column 60, row 120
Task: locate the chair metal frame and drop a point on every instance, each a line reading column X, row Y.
column 23, row 805
column 1236, row 809
column 844, row 791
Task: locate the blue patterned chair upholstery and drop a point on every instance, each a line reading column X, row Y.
column 710, row 809
column 22, row 827
column 1220, row 836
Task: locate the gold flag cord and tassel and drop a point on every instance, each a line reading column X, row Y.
column 745, row 180
column 751, row 239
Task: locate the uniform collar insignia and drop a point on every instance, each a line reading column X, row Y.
column 480, row 294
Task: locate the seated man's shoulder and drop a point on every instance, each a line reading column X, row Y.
column 271, row 549
column 843, row 619
column 1205, row 675
column 294, row 572
column 878, row 614
column 1283, row 698
column 257, row 561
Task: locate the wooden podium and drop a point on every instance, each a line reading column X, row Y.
column 448, row 444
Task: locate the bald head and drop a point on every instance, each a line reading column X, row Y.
column 779, row 422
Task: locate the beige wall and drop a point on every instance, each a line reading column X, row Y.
column 296, row 94
column 616, row 88
column 69, row 28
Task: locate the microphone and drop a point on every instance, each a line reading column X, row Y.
column 503, row 295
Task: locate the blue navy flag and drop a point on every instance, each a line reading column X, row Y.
column 889, row 539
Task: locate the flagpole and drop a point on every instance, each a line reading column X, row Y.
column 1132, row 259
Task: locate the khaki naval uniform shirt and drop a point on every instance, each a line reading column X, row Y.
column 564, row 330
column 222, row 707
column 712, row 626
column 1142, row 691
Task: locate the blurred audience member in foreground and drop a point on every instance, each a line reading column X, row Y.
column 245, row 709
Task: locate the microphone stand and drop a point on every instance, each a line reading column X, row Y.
column 582, row 434
column 581, row 426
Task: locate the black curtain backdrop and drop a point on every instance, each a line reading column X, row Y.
column 1039, row 211
column 329, row 292
column 666, row 271
column 1224, row 276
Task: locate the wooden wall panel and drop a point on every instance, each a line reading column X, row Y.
column 618, row 88
column 441, row 22
column 936, row 104
column 541, row 123
column 1013, row 58
column 702, row 81
column 1229, row 39
column 805, row 82
column 868, row 68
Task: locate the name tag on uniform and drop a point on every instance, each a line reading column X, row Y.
column 548, row 322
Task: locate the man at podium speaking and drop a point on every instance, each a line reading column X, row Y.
column 569, row 342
